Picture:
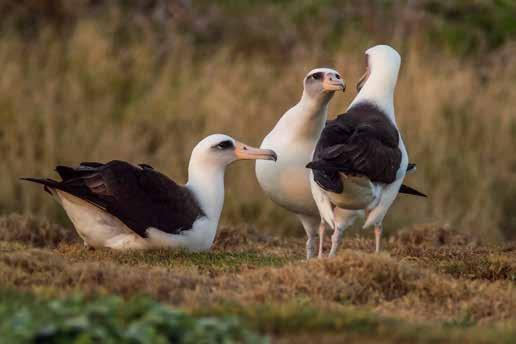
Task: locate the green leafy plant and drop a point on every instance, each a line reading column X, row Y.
column 113, row 320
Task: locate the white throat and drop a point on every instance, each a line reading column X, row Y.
column 306, row 119
column 206, row 182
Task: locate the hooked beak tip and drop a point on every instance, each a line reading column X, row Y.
column 248, row 153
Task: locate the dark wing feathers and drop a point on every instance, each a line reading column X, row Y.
column 145, row 166
column 411, row 191
column 96, row 184
column 85, row 168
column 65, row 172
column 139, row 197
column 362, row 141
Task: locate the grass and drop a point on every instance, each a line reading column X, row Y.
column 203, row 262
column 284, row 322
column 430, row 284
column 103, row 81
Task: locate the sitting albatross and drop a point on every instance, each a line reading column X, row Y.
column 360, row 160
column 123, row 206
column 293, row 138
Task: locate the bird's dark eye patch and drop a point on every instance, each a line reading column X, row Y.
column 337, row 76
column 224, row 145
column 317, row 76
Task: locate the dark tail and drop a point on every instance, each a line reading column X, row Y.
column 47, row 183
column 410, row 191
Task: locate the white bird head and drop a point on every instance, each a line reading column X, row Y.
column 322, row 82
column 220, row 150
column 382, row 62
column 378, row 83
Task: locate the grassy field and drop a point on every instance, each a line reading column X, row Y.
column 431, row 284
column 144, row 81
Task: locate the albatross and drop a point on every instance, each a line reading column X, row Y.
column 294, row 138
column 360, row 160
column 124, row 206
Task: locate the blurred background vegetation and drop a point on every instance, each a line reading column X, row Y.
column 84, row 80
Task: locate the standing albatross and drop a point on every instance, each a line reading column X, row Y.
column 123, row 206
column 293, row 138
column 360, row 160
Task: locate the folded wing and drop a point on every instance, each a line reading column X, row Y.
column 140, row 197
column 360, row 142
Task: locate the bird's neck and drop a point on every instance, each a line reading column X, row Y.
column 306, row 119
column 379, row 90
column 206, row 182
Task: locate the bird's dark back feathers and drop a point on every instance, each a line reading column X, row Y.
column 362, row 141
column 140, row 197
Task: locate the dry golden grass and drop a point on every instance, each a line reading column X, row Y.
column 414, row 279
column 84, row 96
column 111, row 86
column 33, row 231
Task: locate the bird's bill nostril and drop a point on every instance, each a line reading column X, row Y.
column 333, row 77
column 333, row 82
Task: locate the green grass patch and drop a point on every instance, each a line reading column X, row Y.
column 203, row 261
column 25, row 319
column 219, row 261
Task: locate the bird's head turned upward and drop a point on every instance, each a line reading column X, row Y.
column 382, row 65
column 378, row 83
column 220, row 150
column 322, row 83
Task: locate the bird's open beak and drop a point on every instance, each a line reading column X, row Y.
column 245, row 152
column 332, row 84
column 365, row 76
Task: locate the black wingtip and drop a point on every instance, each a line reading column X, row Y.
column 43, row 181
column 411, row 191
column 411, row 167
column 29, row 179
column 315, row 165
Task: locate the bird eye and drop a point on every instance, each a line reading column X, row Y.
column 224, row 145
column 317, row 76
column 337, row 76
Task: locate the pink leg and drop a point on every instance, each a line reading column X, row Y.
column 377, row 237
column 322, row 229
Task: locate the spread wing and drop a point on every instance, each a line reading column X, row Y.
column 140, row 197
column 363, row 142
